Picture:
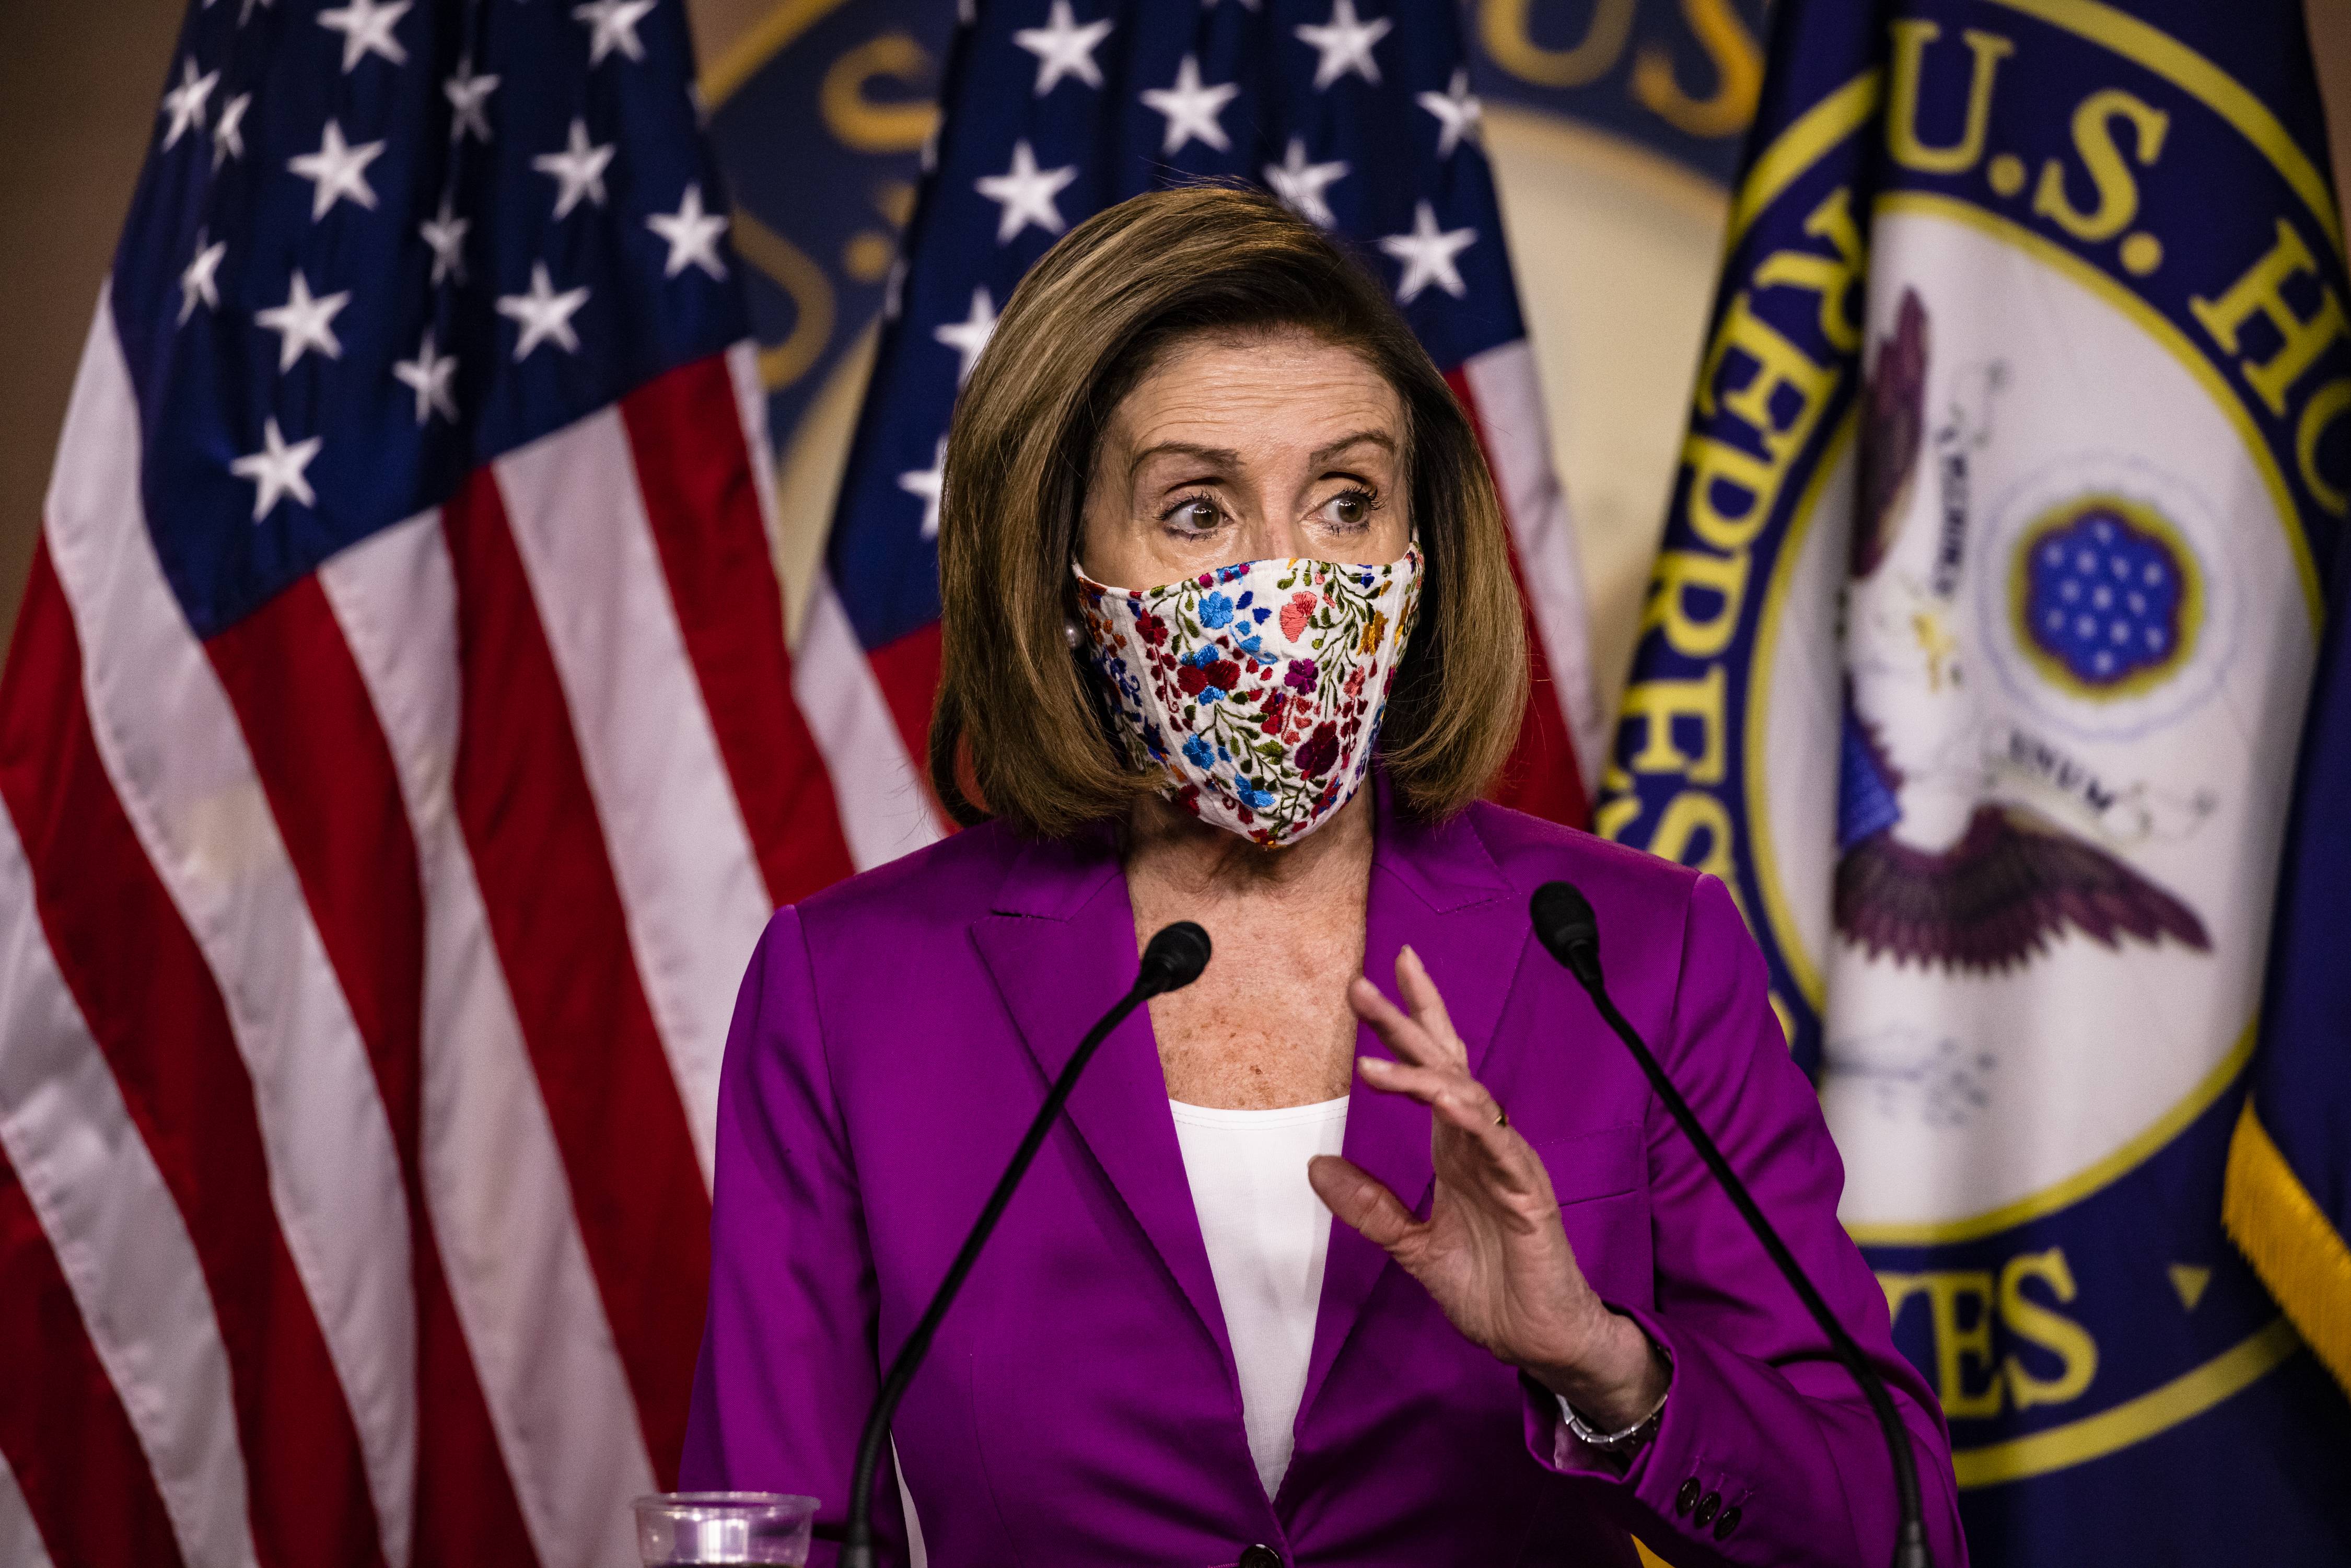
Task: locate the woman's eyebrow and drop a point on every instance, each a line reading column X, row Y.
column 1217, row 456
column 1379, row 438
column 1225, row 457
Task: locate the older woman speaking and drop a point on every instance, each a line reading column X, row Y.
column 1231, row 636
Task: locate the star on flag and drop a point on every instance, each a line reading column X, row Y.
column 1192, row 110
column 228, row 133
column 444, row 232
column 468, row 97
column 613, row 27
column 1301, row 183
column 186, row 102
column 306, row 321
column 970, row 334
column 1063, row 48
column 428, row 376
column 201, row 280
column 692, row 236
column 1345, row 44
column 1427, row 255
column 1026, row 192
column 928, row 482
column 366, row 27
column 276, row 469
column 1459, row 113
column 337, row 171
column 543, row 315
column 578, row 170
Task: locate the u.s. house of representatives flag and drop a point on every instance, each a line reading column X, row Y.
column 399, row 763
column 1360, row 117
column 1975, row 662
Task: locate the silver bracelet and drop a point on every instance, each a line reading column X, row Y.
column 1631, row 1438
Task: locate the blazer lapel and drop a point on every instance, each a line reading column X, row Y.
column 1061, row 949
column 1437, row 889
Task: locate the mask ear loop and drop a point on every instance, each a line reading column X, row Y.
column 1071, row 633
column 1090, row 676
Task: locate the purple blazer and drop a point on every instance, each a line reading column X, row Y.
column 895, row 1033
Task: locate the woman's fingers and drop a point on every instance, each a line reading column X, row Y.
column 1398, row 1032
column 1424, row 1035
column 1453, row 1096
column 1360, row 1199
column 1421, row 996
column 1459, row 1102
column 1431, row 1065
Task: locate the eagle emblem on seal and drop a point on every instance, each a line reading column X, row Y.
column 1929, row 868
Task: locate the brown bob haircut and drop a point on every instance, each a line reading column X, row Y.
column 1021, row 729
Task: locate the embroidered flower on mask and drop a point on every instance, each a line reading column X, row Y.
column 1320, row 750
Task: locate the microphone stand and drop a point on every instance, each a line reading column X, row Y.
column 1172, row 960
column 1565, row 925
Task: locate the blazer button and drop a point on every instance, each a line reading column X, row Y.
column 1260, row 1557
column 1705, row 1510
column 1686, row 1496
column 1726, row 1523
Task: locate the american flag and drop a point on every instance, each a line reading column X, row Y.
column 399, row 763
column 1360, row 116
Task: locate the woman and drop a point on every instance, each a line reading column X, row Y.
column 1538, row 1329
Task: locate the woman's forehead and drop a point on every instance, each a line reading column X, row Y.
column 1222, row 393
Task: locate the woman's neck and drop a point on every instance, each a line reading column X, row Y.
column 1179, row 857
column 1268, row 1024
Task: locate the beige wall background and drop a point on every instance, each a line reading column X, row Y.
column 78, row 89
column 1615, row 253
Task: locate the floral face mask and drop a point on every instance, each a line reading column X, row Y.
column 1256, row 691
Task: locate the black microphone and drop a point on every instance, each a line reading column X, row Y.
column 1172, row 959
column 1565, row 925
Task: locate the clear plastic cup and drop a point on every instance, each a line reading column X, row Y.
column 675, row 1530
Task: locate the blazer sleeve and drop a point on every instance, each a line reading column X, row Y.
column 1760, row 1417
column 789, row 1360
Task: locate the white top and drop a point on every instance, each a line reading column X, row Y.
column 1267, row 1237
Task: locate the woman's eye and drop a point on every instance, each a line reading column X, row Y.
column 1351, row 509
column 1197, row 515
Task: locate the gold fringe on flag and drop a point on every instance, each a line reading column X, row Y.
column 2292, row 1246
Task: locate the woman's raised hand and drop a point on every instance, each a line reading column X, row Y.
column 1492, row 1251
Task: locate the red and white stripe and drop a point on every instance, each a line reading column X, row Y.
column 494, row 1171
column 879, row 769
column 149, row 1377
column 364, row 973
column 1555, row 766
column 20, row 1542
